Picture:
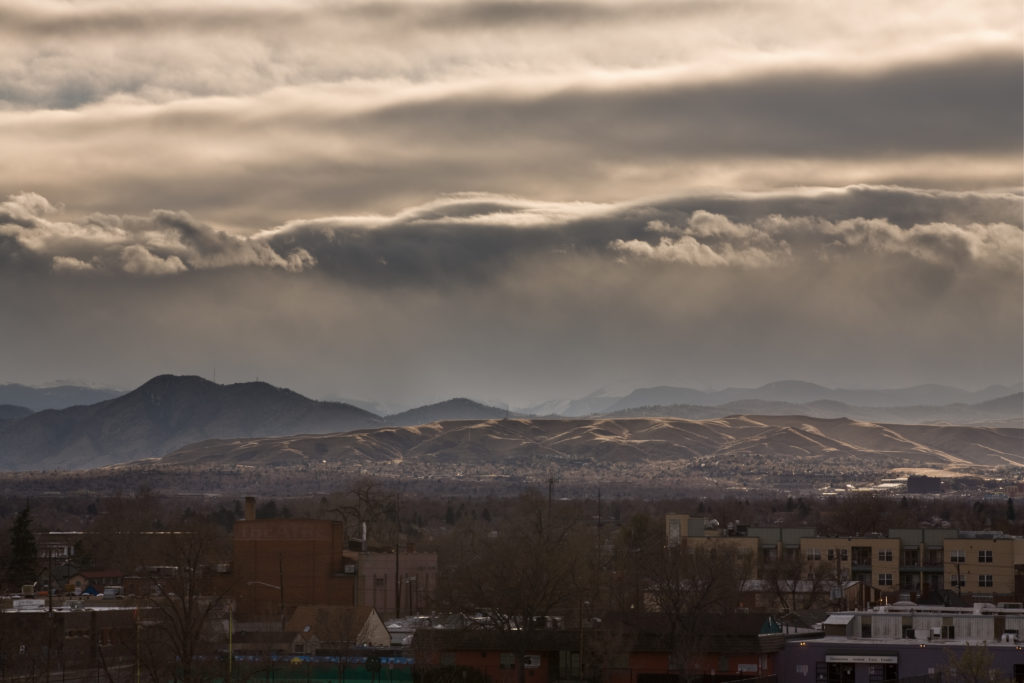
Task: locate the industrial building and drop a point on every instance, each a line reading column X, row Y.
column 898, row 642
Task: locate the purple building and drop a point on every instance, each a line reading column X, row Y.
column 897, row 642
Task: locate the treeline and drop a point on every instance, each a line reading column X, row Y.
column 394, row 515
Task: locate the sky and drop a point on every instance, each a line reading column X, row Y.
column 513, row 201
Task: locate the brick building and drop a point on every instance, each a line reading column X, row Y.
column 278, row 564
column 377, row 587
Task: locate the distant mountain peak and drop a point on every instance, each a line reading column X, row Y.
column 793, row 384
column 452, row 409
column 167, row 412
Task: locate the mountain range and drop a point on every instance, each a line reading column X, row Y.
column 170, row 412
column 792, row 392
column 163, row 414
column 55, row 397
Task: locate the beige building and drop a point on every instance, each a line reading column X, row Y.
column 694, row 532
column 903, row 564
column 874, row 561
column 985, row 566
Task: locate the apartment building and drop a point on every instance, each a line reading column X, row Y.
column 872, row 560
column 903, row 564
column 692, row 532
column 988, row 566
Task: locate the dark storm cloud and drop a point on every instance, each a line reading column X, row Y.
column 472, row 238
column 970, row 104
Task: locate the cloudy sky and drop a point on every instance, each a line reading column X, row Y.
column 514, row 201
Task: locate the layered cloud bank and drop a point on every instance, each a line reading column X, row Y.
column 478, row 236
column 470, row 292
column 162, row 243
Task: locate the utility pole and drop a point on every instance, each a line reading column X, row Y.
column 49, row 574
column 398, row 541
column 280, row 586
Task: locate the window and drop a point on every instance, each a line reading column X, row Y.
column 953, row 581
column 447, row 659
column 957, row 556
column 831, row 554
column 885, row 556
column 984, row 556
column 885, row 579
column 569, row 663
column 813, row 554
column 675, row 531
column 379, row 580
column 984, row 580
column 844, row 554
column 507, row 660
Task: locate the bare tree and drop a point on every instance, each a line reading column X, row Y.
column 686, row 584
column 188, row 601
column 527, row 569
column 796, row 583
column 974, row 665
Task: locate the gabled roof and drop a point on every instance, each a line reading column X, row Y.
column 839, row 619
column 330, row 623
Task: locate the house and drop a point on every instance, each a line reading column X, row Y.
column 95, row 581
column 327, row 629
column 314, row 630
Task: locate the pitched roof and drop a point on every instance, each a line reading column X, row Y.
column 330, row 623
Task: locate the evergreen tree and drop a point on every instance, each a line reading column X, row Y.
column 22, row 569
column 1011, row 514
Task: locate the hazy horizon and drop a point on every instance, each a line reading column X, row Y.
column 514, row 201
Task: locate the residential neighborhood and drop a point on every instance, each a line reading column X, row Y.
column 540, row 597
